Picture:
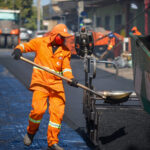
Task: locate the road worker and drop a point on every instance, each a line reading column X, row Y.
column 108, row 54
column 50, row 52
column 135, row 31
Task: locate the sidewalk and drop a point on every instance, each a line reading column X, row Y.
column 15, row 105
column 122, row 72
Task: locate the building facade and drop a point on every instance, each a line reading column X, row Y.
column 115, row 15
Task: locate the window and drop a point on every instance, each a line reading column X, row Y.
column 107, row 22
column 118, row 23
column 98, row 22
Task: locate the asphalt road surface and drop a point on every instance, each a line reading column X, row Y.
column 73, row 112
column 15, row 105
column 104, row 81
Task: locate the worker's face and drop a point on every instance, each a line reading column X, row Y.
column 59, row 40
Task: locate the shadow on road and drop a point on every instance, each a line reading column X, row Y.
column 117, row 134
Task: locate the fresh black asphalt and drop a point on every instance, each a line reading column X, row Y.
column 120, row 130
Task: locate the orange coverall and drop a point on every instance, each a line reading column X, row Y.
column 45, row 85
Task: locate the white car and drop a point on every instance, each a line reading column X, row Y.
column 40, row 33
column 24, row 35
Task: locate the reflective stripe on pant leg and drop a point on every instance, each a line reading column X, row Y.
column 39, row 105
column 34, row 121
column 55, row 125
column 56, row 110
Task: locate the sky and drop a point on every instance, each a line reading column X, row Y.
column 43, row 2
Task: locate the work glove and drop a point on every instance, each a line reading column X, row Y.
column 17, row 54
column 73, row 83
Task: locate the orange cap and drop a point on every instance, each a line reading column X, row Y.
column 61, row 29
column 58, row 29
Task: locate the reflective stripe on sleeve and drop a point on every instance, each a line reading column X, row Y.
column 67, row 70
column 23, row 47
column 55, row 125
column 34, row 121
column 49, row 69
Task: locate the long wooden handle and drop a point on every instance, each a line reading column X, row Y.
column 62, row 77
column 44, row 68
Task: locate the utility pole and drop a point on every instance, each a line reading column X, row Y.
column 38, row 14
column 146, row 2
column 80, row 9
column 127, row 12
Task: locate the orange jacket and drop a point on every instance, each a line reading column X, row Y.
column 58, row 62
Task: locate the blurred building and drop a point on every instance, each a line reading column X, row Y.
column 61, row 11
column 115, row 15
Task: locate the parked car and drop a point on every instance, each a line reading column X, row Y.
column 40, row 33
column 24, row 35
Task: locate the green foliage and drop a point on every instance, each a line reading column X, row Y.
column 32, row 20
column 27, row 11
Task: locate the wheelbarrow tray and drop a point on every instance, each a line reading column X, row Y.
column 115, row 97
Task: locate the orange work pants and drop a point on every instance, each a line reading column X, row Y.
column 56, row 111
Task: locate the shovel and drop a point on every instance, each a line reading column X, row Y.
column 101, row 95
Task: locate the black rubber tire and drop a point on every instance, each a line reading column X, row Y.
column 2, row 41
column 9, row 41
column 15, row 40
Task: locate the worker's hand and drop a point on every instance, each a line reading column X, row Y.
column 17, row 54
column 73, row 83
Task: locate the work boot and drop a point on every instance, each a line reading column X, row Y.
column 28, row 138
column 55, row 147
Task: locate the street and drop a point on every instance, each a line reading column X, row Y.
column 104, row 81
column 107, row 95
column 15, row 106
column 73, row 112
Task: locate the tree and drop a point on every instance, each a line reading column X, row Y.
column 27, row 11
column 31, row 21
